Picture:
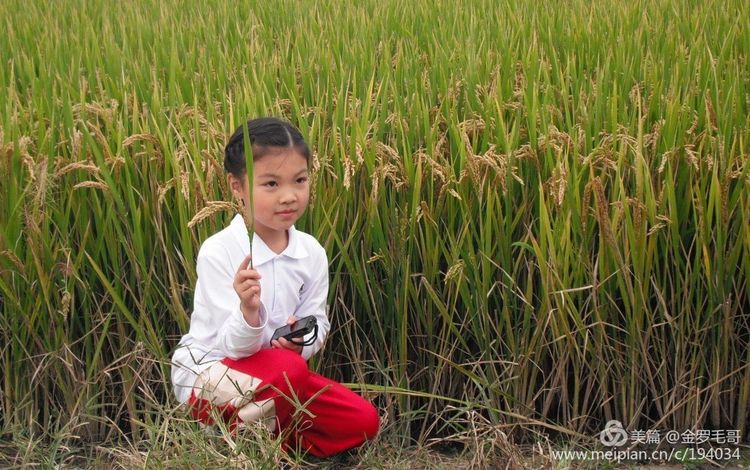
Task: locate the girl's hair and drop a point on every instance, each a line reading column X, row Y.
column 264, row 134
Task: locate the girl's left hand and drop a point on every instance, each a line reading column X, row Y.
column 283, row 343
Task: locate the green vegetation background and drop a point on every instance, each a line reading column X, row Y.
column 536, row 213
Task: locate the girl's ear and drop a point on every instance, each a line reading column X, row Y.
column 235, row 185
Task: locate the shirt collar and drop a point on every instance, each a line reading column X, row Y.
column 261, row 252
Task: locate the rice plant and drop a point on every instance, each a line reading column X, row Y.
column 537, row 212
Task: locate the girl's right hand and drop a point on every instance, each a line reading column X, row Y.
column 247, row 285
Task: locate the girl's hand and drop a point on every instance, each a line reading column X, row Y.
column 247, row 285
column 283, row 343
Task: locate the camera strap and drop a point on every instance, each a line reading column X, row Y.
column 312, row 339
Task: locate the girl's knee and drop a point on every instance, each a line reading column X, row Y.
column 291, row 364
column 277, row 368
column 370, row 421
column 289, row 369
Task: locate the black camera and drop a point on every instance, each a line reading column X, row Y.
column 302, row 327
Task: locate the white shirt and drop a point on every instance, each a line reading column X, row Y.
column 294, row 282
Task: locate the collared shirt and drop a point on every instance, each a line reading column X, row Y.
column 293, row 282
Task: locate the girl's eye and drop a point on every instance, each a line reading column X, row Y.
column 270, row 184
column 302, row 179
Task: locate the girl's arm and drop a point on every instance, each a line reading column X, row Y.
column 313, row 302
column 217, row 307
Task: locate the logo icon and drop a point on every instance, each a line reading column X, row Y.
column 613, row 435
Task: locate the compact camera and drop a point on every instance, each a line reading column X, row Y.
column 302, row 327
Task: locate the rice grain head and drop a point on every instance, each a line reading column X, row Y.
column 162, row 190
column 14, row 259
column 87, row 166
column 92, row 184
column 99, row 137
column 76, row 145
column 41, row 187
column 185, row 185
column 602, row 212
column 348, row 172
column 211, row 208
column 691, row 155
column 455, row 271
column 586, row 204
column 558, row 183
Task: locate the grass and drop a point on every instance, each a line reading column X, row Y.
column 535, row 213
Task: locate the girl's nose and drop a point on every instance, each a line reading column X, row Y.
column 288, row 197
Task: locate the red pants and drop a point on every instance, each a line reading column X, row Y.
column 257, row 388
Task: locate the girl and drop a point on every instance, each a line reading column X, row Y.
column 227, row 361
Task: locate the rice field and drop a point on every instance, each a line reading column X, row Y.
column 537, row 214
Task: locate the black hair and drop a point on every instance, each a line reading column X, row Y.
column 264, row 134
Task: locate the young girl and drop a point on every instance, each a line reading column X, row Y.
column 227, row 361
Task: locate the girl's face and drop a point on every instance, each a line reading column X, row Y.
column 281, row 191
